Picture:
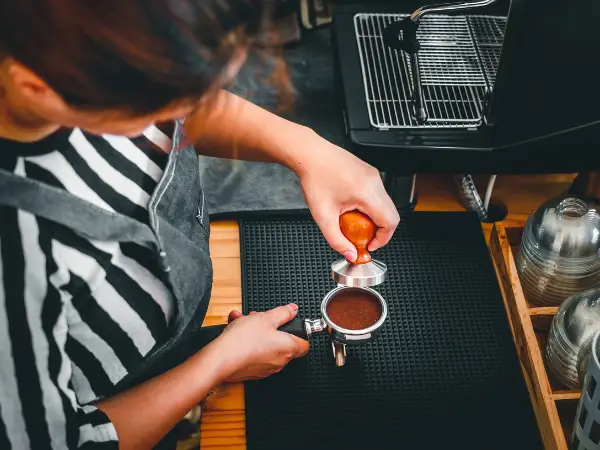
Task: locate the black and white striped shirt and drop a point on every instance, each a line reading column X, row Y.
column 75, row 315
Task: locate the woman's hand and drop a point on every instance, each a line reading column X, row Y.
column 334, row 181
column 252, row 347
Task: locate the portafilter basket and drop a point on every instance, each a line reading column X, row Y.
column 340, row 336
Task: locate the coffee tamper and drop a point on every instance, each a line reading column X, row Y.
column 352, row 277
column 365, row 271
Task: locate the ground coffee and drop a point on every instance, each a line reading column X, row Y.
column 354, row 309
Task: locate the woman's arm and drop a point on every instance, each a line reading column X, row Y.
column 249, row 348
column 143, row 415
column 333, row 180
column 231, row 127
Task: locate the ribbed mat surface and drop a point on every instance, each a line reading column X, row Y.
column 442, row 375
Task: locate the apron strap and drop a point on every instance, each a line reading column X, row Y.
column 62, row 207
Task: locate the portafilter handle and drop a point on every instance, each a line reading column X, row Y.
column 302, row 328
column 360, row 230
column 305, row 329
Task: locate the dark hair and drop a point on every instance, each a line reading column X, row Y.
column 138, row 55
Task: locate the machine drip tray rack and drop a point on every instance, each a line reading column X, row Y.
column 459, row 59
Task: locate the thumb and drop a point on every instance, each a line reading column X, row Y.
column 233, row 315
column 281, row 315
column 330, row 227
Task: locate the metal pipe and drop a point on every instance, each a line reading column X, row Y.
column 450, row 7
column 488, row 193
column 420, row 112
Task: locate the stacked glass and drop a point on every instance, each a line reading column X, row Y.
column 560, row 249
column 577, row 319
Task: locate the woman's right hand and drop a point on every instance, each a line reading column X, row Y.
column 251, row 347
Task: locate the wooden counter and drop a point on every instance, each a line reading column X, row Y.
column 223, row 419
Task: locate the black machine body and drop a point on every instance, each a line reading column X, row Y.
column 541, row 115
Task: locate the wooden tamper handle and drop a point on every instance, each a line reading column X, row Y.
column 360, row 230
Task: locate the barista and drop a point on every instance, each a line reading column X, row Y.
column 87, row 93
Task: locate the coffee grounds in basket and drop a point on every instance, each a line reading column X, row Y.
column 354, row 309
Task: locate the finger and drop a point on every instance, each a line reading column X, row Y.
column 385, row 215
column 301, row 347
column 253, row 313
column 382, row 237
column 329, row 224
column 281, row 315
column 233, row 315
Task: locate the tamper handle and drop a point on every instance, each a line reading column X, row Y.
column 360, row 230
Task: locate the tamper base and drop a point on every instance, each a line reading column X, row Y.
column 358, row 275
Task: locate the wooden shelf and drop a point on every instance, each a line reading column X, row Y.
column 554, row 404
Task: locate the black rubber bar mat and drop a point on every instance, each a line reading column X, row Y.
column 442, row 375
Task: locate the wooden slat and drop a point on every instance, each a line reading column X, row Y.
column 224, row 440
column 230, row 424
column 543, row 311
column 224, row 240
column 566, row 395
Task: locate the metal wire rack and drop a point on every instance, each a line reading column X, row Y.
column 488, row 34
column 459, row 58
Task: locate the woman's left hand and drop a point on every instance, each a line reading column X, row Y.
column 335, row 181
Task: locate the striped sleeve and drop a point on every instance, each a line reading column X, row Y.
column 95, row 430
column 38, row 406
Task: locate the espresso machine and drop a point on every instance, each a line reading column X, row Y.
column 486, row 86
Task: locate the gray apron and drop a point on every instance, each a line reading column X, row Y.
column 178, row 236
